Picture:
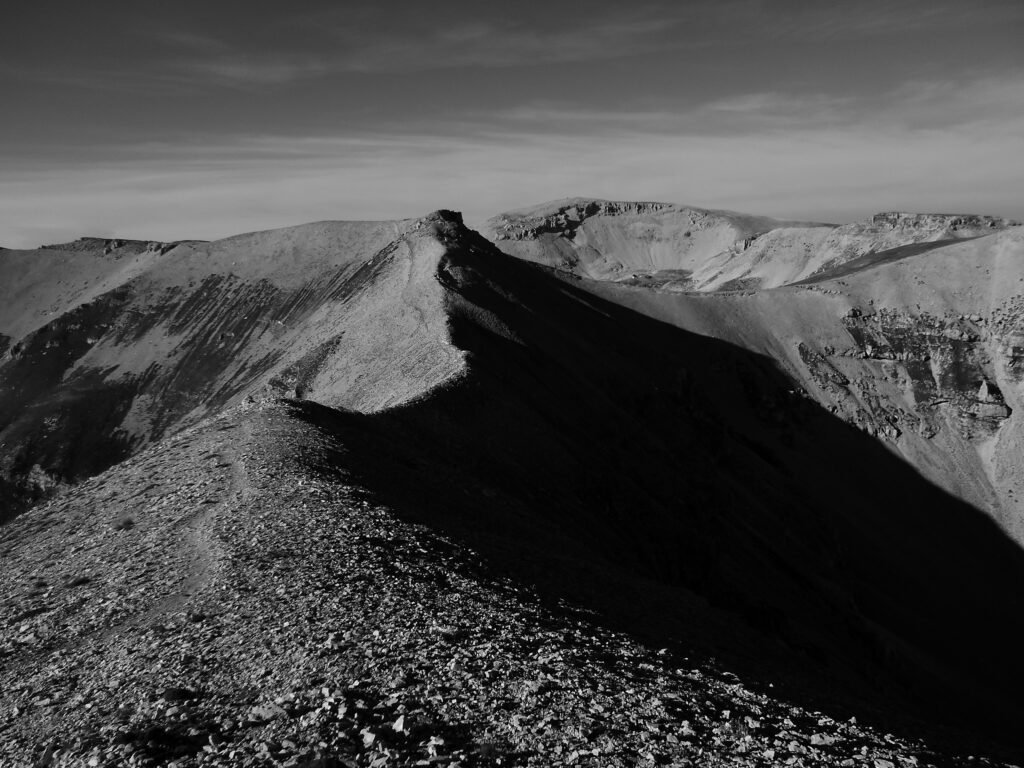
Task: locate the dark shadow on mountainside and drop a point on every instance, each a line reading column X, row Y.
column 690, row 494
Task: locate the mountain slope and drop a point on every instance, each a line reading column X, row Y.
column 669, row 463
column 694, row 464
column 918, row 347
column 238, row 597
column 156, row 338
column 688, row 248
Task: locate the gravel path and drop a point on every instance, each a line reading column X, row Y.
column 230, row 598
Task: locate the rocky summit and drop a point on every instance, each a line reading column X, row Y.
column 606, row 484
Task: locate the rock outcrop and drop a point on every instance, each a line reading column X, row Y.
column 943, row 225
column 120, row 248
column 565, row 218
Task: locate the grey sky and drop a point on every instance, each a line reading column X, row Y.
column 171, row 120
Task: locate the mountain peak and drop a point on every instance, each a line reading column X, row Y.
column 445, row 216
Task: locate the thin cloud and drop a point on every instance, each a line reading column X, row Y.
column 830, row 173
column 994, row 103
column 884, row 18
column 927, row 145
column 206, row 59
column 775, row 103
column 242, row 71
column 468, row 44
column 496, row 45
column 108, row 79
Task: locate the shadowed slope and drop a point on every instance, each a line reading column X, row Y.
column 237, row 597
column 645, row 470
column 921, row 347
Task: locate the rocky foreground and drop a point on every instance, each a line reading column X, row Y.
column 233, row 597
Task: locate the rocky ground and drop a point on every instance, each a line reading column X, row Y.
column 233, row 597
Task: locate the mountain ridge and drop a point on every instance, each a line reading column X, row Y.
column 701, row 249
column 181, row 333
column 291, row 613
column 677, row 464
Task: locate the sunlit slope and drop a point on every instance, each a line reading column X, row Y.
column 109, row 346
column 685, row 248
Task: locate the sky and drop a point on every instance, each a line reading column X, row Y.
column 173, row 120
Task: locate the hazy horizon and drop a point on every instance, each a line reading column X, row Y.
column 192, row 120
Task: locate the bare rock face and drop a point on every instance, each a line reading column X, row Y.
column 117, row 247
column 566, row 218
column 941, row 365
column 943, row 225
